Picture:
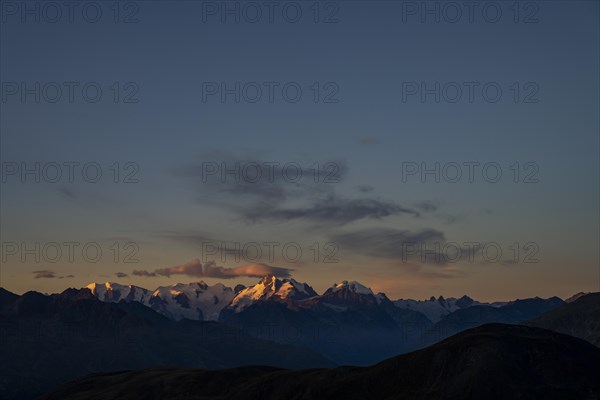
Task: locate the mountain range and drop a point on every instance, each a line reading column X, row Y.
column 580, row 317
column 491, row 362
column 348, row 323
column 199, row 301
column 51, row 339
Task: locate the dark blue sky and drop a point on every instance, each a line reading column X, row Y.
column 373, row 63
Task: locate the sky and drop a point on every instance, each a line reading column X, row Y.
column 420, row 148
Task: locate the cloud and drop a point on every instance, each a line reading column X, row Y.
column 196, row 269
column 189, row 236
column 392, row 243
column 246, row 186
column 252, row 270
column 121, row 274
column 278, row 195
column 191, row 268
column 47, row 274
column 270, row 182
column 365, row 188
column 138, row 272
column 44, row 274
column 427, row 206
column 335, row 210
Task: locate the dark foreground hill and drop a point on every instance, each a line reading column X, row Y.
column 49, row 340
column 491, row 362
column 580, row 318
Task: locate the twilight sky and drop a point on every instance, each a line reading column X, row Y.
column 386, row 93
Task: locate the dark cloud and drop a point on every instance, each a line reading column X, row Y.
column 278, row 195
column 334, row 210
column 188, row 236
column 253, row 184
column 196, row 269
column 365, row 188
column 138, row 272
column 44, row 274
column 262, row 181
column 426, row 206
column 391, row 243
column 121, row 274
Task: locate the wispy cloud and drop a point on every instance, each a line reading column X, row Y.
column 387, row 243
column 44, row 274
column 188, row 236
column 141, row 272
column 195, row 268
column 427, row 206
column 335, row 210
column 47, row 274
column 276, row 197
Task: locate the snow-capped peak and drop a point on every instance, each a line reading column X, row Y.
column 270, row 287
column 352, row 286
column 114, row 292
column 182, row 300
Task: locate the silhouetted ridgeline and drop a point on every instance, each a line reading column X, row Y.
column 492, row 362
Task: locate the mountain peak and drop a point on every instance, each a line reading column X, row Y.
column 575, row 297
column 270, row 287
column 202, row 285
column 382, row 298
column 464, row 301
column 352, row 286
column 268, row 280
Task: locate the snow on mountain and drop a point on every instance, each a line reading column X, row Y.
column 196, row 301
column 352, row 286
column 436, row 309
column 192, row 301
column 272, row 288
column 346, row 293
column 200, row 301
column 114, row 292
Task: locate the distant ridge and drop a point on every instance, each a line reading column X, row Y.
column 499, row 362
column 579, row 318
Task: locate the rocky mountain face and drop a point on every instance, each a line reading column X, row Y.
column 495, row 362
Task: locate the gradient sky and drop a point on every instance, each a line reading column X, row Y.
column 368, row 54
